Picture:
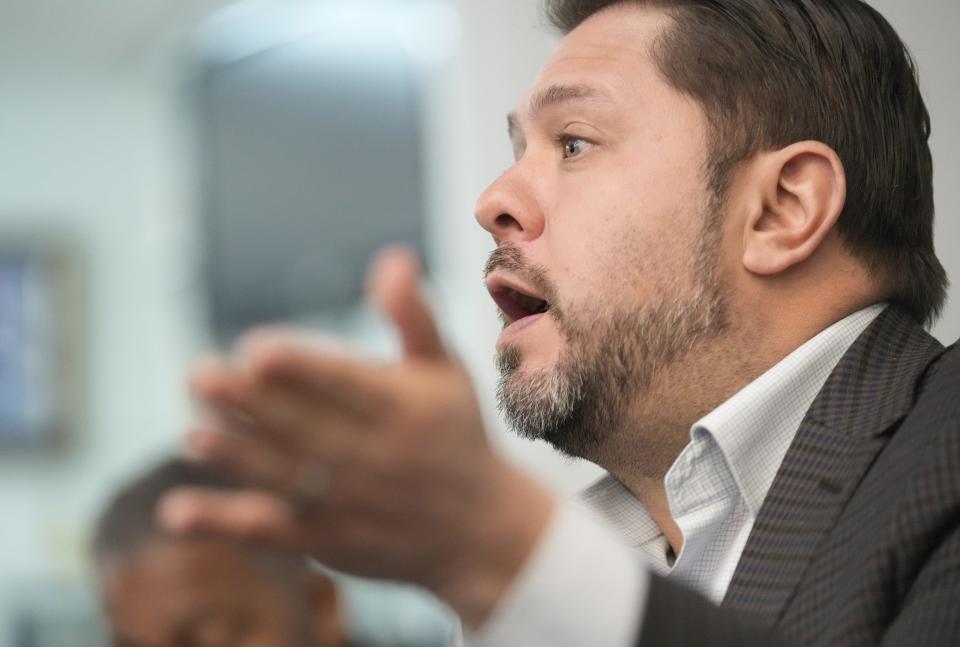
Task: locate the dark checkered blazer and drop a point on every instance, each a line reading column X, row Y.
column 858, row 540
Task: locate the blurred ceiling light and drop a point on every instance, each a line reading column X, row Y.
column 427, row 31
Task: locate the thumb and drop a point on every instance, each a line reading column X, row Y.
column 393, row 286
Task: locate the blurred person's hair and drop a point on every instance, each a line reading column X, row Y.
column 127, row 529
column 769, row 73
column 128, row 521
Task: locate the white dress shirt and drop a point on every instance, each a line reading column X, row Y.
column 583, row 584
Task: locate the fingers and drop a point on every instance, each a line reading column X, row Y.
column 291, row 388
column 243, row 515
column 225, row 385
column 249, row 458
column 393, row 286
column 279, row 360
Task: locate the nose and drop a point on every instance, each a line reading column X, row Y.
column 509, row 209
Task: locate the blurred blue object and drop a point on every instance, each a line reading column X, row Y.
column 55, row 614
column 36, row 369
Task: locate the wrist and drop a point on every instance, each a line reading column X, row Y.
column 503, row 532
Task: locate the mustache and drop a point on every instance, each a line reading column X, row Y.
column 509, row 257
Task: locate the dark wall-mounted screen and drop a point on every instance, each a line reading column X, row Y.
column 311, row 161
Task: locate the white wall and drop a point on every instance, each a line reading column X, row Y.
column 89, row 159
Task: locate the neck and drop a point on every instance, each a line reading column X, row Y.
column 657, row 428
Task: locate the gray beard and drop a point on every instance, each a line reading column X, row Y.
column 611, row 362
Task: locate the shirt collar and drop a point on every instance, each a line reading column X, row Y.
column 614, row 503
column 755, row 427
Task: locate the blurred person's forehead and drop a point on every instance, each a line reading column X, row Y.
column 168, row 586
column 192, row 561
column 175, row 574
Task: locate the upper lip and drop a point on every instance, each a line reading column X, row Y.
column 515, row 298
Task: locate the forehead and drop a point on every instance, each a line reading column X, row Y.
column 163, row 571
column 165, row 582
column 609, row 53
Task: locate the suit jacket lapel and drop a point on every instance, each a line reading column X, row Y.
column 869, row 392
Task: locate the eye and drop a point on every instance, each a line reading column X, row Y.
column 574, row 146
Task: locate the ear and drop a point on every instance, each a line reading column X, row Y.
column 800, row 192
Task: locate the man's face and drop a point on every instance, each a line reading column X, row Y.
column 606, row 222
column 202, row 593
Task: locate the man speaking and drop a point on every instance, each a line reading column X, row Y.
column 714, row 260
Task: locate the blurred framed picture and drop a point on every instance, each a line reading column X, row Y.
column 34, row 369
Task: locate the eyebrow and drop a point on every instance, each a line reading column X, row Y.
column 552, row 96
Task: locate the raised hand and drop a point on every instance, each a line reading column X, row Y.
column 377, row 469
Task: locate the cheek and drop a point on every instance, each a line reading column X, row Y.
column 624, row 228
column 275, row 636
column 601, row 268
column 271, row 623
column 146, row 620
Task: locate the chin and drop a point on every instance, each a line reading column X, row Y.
column 520, row 358
column 538, row 348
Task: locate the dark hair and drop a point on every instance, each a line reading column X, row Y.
column 128, row 520
column 769, row 73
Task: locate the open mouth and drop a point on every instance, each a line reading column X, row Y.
column 515, row 300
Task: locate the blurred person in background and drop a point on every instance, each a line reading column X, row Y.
column 160, row 590
column 715, row 262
